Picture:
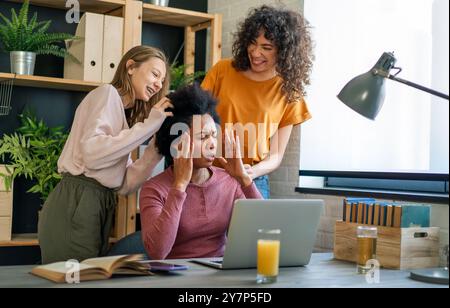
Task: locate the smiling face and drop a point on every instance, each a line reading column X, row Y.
column 205, row 141
column 262, row 54
column 147, row 79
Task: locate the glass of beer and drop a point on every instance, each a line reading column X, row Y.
column 268, row 256
column 367, row 248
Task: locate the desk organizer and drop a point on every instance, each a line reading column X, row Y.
column 397, row 248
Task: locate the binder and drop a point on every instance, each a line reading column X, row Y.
column 389, row 215
column 88, row 50
column 383, row 214
column 112, row 46
column 376, row 215
column 416, row 215
column 370, row 214
column 361, row 212
column 398, row 216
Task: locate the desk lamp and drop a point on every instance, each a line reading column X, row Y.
column 365, row 94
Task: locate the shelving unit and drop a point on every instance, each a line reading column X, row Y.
column 134, row 14
column 93, row 6
column 173, row 17
column 29, row 240
column 50, row 82
column 192, row 22
column 21, row 240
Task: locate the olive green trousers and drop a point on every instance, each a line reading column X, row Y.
column 76, row 220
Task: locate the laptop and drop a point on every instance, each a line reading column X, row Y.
column 298, row 221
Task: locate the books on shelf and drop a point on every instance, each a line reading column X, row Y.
column 369, row 211
column 94, row 269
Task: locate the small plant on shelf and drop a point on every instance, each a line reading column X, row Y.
column 179, row 79
column 25, row 38
column 33, row 152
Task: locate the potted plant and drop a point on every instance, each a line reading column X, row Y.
column 179, row 79
column 24, row 39
column 33, row 151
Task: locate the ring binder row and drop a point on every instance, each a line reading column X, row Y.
column 98, row 50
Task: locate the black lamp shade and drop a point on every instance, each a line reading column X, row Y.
column 365, row 94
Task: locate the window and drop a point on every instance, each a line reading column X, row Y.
column 411, row 133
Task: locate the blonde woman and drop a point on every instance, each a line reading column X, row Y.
column 111, row 122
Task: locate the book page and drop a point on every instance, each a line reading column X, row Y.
column 61, row 268
column 107, row 263
column 110, row 264
column 56, row 272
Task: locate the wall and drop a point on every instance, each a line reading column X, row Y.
column 285, row 179
column 234, row 11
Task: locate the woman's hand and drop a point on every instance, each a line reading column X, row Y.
column 249, row 170
column 162, row 105
column 153, row 150
column 183, row 163
column 233, row 164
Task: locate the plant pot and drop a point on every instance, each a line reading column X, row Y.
column 159, row 2
column 22, row 62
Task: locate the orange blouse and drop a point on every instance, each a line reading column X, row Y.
column 257, row 106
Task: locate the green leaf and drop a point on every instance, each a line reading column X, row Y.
column 179, row 79
column 19, row 33
column 33, row 151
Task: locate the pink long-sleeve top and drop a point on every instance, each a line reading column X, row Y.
column 191, row 224
column 100, row 142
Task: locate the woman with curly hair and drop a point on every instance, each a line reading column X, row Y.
column 261, row 90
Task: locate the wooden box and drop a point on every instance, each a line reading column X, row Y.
column 6, row 199
column 5, row 228
column 2, row 183
column 6, row 206
column 397, row 248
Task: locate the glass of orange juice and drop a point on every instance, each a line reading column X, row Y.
column 367, row 248
column 268, row 255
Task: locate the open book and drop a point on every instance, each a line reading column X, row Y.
column 93, row 269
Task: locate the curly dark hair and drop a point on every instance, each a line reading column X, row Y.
column 188, row 101
column 290, row 32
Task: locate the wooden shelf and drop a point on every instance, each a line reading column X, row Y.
column 20, row 240
column 30, row 240
column 134, row 14
column 174, row 17
column 93, row 6
column 50, row 82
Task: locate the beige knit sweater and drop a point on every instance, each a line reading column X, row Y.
column 100, row 143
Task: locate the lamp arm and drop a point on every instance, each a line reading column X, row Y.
column 417, row 86
column 411, row 84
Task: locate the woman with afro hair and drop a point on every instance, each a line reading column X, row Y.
column 186, row 210
column 261, row 89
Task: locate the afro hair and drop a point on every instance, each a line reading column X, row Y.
column 188, row 101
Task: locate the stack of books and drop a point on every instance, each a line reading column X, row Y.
column 368, row 211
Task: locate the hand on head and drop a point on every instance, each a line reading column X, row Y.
column 163, row 105
column 232, row 163
column 183, row 162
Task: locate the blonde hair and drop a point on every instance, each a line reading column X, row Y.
column 122, row 82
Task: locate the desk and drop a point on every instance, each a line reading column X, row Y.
column 323, row 271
